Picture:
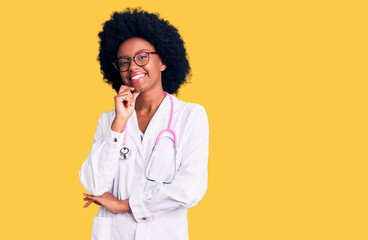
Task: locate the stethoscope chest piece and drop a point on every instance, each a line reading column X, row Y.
column 125, row 152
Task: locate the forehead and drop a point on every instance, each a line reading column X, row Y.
column 133, row 45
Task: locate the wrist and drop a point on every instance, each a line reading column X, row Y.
column 118, row 125
column 124, row 206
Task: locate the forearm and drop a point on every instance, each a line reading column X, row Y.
column 118, row 125
column 124, row 206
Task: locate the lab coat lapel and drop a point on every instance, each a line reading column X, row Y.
column 159, row 122
column 134, row 132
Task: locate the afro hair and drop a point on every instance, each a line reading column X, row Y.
column 160, row 33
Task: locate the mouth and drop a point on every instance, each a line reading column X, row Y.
column 137, row 77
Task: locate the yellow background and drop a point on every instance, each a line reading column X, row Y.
column 284, row 84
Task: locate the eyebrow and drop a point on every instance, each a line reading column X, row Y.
column 141, row 50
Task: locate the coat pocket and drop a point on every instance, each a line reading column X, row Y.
column 102, row 228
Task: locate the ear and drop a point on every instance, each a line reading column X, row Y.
column 162, row 67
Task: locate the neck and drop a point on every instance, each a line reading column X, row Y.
column 149, row 101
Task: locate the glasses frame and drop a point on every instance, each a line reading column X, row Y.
column 134, row 59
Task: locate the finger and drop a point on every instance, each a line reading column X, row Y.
column 135, row 95
column 124, row 93
column 128, row 98
column 89, row 196
column 88, row 203
column 124, row 87
column 95, row 202
column 122, row 99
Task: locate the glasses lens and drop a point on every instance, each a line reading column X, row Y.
column 141, row 59
column 122, row 64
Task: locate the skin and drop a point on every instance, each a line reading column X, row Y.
column 143, row 96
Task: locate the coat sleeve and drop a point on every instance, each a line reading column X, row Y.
column 190, row 183
column 98, row 170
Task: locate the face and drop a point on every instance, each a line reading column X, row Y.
column 142, row 78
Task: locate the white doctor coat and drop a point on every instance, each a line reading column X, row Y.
column 159, row 211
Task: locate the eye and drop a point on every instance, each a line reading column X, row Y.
column 142, row 57
column 123, row 63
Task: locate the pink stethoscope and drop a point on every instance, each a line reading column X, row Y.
column 124, row 151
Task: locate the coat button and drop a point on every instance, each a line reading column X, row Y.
column 115, row 139
column 144, row 219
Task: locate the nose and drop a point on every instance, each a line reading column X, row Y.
column 132, row 65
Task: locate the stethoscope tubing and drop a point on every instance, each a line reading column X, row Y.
column 168, row 129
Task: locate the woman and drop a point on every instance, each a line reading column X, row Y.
column 144, row 193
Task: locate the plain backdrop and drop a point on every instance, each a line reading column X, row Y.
column 284, row 84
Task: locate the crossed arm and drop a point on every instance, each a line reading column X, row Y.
column 109, row 201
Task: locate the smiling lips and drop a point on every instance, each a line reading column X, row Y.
column 137, row 77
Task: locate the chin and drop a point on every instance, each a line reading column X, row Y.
column 138, row 88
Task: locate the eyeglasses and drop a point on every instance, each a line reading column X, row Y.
column 122, row 64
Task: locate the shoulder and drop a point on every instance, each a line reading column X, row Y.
column 107, row 117
column 189, row 108
column 192, row 125
column 191, row 114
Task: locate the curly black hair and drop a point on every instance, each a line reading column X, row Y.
column 160, row 33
